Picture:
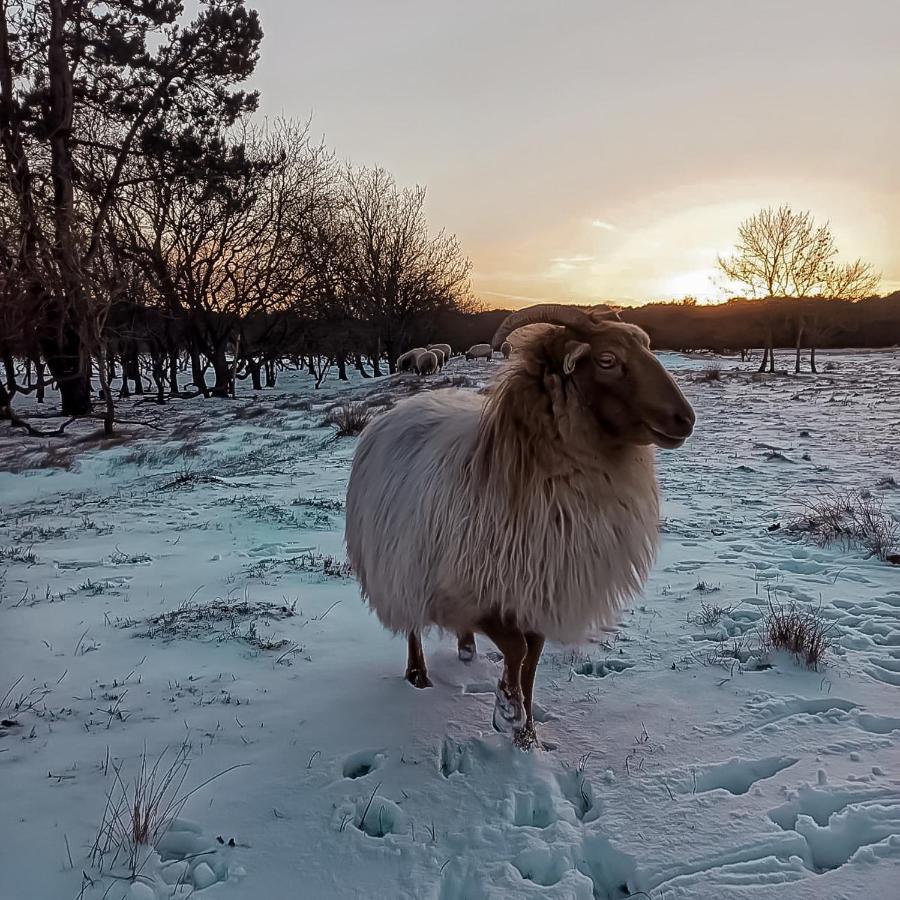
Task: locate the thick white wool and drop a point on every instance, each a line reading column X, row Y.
column 436, row 539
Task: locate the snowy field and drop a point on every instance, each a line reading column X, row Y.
column 185, row 591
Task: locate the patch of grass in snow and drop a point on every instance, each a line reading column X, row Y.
column 850, row 518
column 308, row 561
column 141, row 809
column 14, row 553
column 349, row 419
column 801, row 632
column 707, row 614
column 221, row 620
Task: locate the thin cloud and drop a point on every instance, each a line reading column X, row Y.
column 604, row 226
column 572, row 260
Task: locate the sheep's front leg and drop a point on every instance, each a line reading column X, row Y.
column 509, row 708
column 416, row 672
column 527, row 737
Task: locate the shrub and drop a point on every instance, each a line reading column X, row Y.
column 349, row 419
column 799, row 631
column 852, row 518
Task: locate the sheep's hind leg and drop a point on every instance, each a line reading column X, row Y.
column 416, row 671
column 466, row 646
column 526, row 738
column 509, row 708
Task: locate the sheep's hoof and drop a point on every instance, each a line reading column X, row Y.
column 509, row 712
column 418, row 678
column 526, row 738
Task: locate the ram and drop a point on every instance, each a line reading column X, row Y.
column 527, row 514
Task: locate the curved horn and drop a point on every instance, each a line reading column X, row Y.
column 603, row 312
column 550, row 313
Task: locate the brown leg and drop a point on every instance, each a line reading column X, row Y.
column 416, row 672
column 527, row 737
column 466, row 646
column 509, row 710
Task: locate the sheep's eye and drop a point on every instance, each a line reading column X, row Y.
column 607, row 360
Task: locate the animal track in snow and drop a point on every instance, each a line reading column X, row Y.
column 542, row 865
column 534, row 808
column 580, row 794
column 602, row 668
column 360, row 764
column 191, row 859
column 737, row 775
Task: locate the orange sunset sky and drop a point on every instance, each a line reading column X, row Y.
column 606, row 150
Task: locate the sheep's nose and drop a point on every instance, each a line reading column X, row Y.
column 683, row 421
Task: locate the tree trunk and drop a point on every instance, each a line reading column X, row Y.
column 109, row 415
column 158, row 369
column 342, row 366
column 197, row 371
column 765, row 359
column 10, row 365
column 772, row 357
column 270, row 373
column 812, row 358
column 39, row 374
column 5, row 402
column 72, row 378
column 173, row 375
column 134, row 372
column 255, row 369
column 374, row 359
column 222, row 387
column 800, row 330
column 358, row 362
column 310, row 365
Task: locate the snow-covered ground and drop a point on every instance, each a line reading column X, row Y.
column 681, row 768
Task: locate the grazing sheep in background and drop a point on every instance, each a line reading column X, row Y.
column 447, row 350
column 441, row 359
column 531, row 513
column 506, row 349
column 406, row 362
column 427, row 363
column 480, row 351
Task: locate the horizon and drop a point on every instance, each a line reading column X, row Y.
column 601, row 153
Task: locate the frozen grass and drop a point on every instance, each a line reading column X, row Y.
column 713, row 372
column 220, row 620
column 852, row 518
column 17, row 554
column 140, row 811
column 349, row 419
column 802, row 632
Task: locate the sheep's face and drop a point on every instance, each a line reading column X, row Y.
column 632, row 397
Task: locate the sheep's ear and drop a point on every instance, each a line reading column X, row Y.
column 575, row 350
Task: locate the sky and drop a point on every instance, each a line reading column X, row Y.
column 587, row 151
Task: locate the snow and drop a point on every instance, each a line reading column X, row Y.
column 185, row 588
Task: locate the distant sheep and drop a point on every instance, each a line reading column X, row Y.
column 406, row 362
column 529, row 513
column 506, row 349
column 446, row 348
column 427, row 363
column 480, row 351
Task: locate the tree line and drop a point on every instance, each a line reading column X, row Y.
column 152, row 230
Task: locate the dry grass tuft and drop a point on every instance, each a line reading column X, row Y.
column 852, row 518
column 349, row 419
column 712, row 372
column 799, row 631
column 221, row 620
column 140, row 811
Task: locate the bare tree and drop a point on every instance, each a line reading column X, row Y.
column 784, row 253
